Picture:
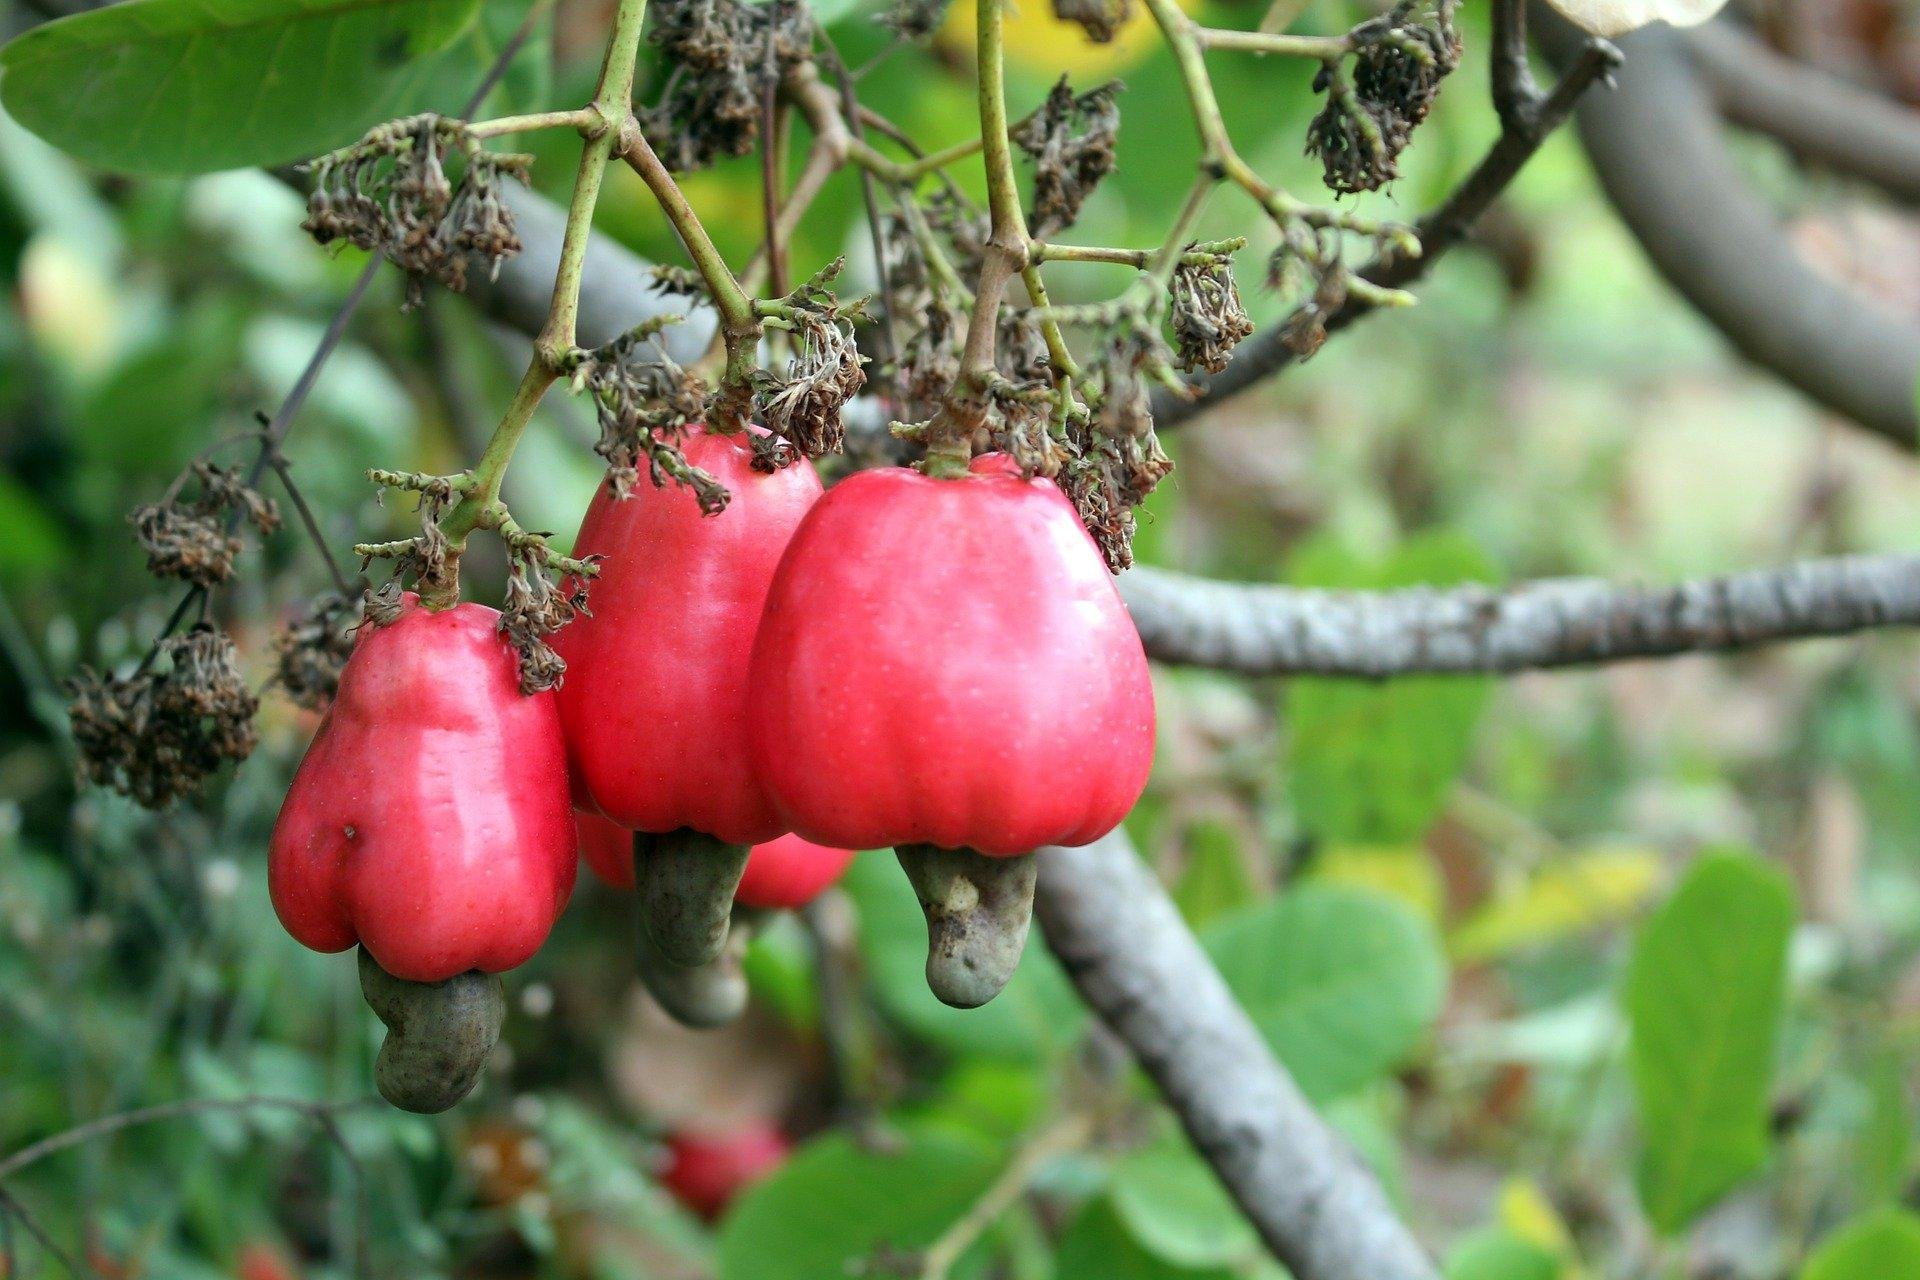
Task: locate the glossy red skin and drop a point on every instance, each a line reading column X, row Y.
column 429, row 819
column 654, row 700
column 948, row 662
column 782, row 874
column 704, row 1172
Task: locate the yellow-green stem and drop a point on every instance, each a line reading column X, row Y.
column 612, row 105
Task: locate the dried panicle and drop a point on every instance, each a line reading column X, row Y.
column 310, row 653
column 645, row 402
column 535, row 607
column 1208, row 320
column 1399, row 60
column 190, row 541
column 1071, row 141
column 1101, row 19
column 963, row 226
column 426, row 557
column 914, row 19
column 1117, row 457
column 157, row 734
column 1308, row 261
column 391, row 194
column 711, row 105
column 679, row 282
column 930, row 356
column 802, row 403
column 1020, row 347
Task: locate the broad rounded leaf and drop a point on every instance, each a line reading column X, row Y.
column 1703, row 997
column 1884, row 1245
column 1497, row 1254
column 1098, row 1246
column 834, row 1205
column 1173, row 1205
column 1617, row 17
column 188, row 86
column 1343, row 982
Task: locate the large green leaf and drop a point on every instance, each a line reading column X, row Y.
column 1097, row 1246
column 835, row 1204
column 1884, row 1245
column 1173, row 1205
column 1372, row 764
column 187, row 86
column 1703, row 997
column 1343, row 982
column 1498, row 1254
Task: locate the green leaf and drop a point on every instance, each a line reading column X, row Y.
column 1343, row 982
column 1884, row 1245
column 833, row 1205
column 1703, row 998
column 1097, row 1246
column 1215, row 879
column 1373, row 763
column 1497, row 1254
column 1174, row 1207
column 187, row 86
column 1886, row 1131
column 1036, row 1013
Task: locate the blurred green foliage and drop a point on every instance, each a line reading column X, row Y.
column 1427, row 894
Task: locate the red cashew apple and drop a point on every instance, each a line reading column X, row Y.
column 655, row 697
column 948, row 662
column 782, row 874
column 705, row 1172
column 945, row 666
column 429, row 820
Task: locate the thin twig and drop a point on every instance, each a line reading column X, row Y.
column 1068, row 1133
column 101, row 1127
column 11, row 1209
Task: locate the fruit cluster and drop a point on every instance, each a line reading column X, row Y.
column 939, row 665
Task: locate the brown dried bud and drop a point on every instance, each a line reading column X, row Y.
column 310, row 653
column 1100, row 19
column 157, row 734
column 1071, row 140
column 190, row 541
column 1208, row 320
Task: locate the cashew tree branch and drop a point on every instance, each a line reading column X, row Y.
column 1135, row 962
column 1267, row 630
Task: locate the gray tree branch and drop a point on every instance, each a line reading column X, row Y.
column 1819, row 117
column 1267, row 630
column 1660, row 151
column 1140, row 968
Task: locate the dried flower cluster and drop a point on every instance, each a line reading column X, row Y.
column 1071, row 141
column 391, row 194
column 426, row 557
column 1100, row 19
column 1208, row 320
column 1399, row 61
column 913, row 19
column 310, row 654
column 157, row 734
column 191, row 541
column 802, row 403
column 536, row 607
column 719, row 52
column 645, row 402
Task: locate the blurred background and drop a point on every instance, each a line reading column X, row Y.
column 1427, row 893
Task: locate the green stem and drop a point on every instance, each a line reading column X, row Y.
column 1323, row 48
column 611, row 105
column 582, row 119
column 949, row 435
column 735, row 307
